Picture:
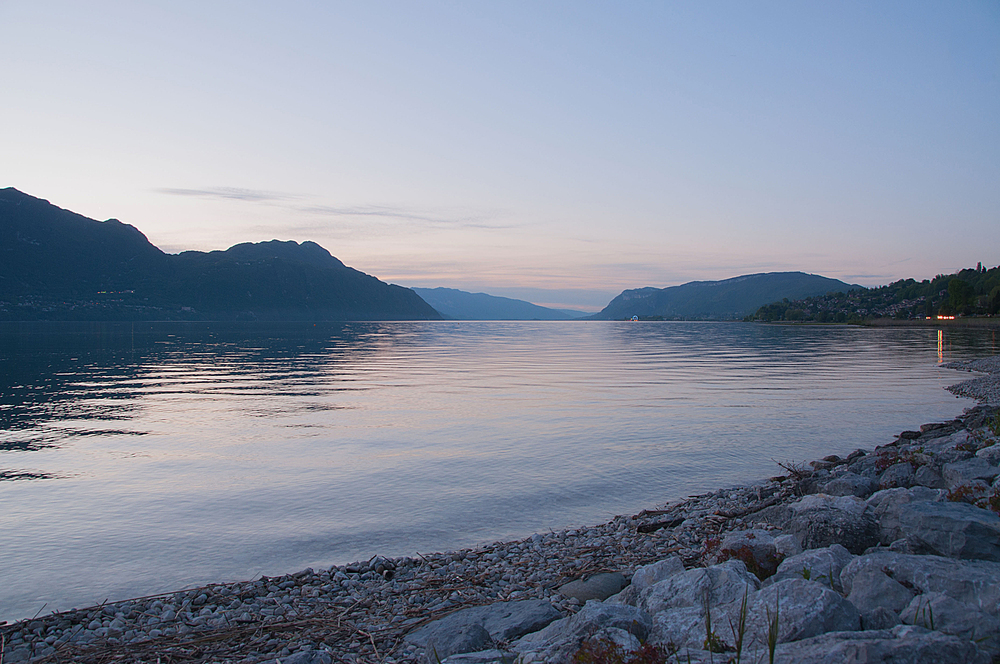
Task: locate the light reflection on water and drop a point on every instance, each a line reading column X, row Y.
column 190, row 454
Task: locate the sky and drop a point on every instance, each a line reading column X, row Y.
column 558, row 152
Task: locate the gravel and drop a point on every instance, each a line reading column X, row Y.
column 985, row 389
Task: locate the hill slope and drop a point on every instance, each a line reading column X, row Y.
column 462, row 305
column 718, row 300
column 969, row 292
column 59, row 265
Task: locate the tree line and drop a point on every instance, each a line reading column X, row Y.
column 968, row 292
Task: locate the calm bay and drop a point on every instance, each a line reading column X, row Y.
column 144, row 458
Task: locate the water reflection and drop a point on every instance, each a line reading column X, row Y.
column 134, row 459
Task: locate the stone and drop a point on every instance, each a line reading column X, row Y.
column 928, row 476
column 646, row 576
column 850, row 484
column 888, row 503
column 873, row 589
column 976, row 468
column 596, row 586
column 941, row 613
column 896, row 475
column 954, row 530
column 491, row 656
column 308, row 657
column 879, row 618
column 991, row 454
column 720, row 584
column 820, row 520
column 561, row 638
column 684, row 627
column 877, row 647
column 820, row 565
column 787, row 546
column 618, row 636
column 442, row 643
column 754, row 547
column 504, row 621
column 972, row 582
column 806, row 609
column 972, row 492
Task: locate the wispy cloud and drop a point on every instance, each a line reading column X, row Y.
column 464, row 219
column 442, row 218
column 231, row 193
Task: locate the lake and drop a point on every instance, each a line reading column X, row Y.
column 147, row 458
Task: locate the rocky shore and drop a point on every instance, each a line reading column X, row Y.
column 887, row 555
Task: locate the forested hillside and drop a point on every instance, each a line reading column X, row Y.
column 970, row 292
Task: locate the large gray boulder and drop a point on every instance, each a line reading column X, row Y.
column 976, row 468
column 595, row 586
column 821, row 520
column 560, row 639
column 888, row 504
column 820, row 565
column 805, row 609
column 442, row 643
column 929, row 476
column 719, row 584
column 850, row 484
column 896, row 475
column 901, row 645
column 942, row 444
column 646, row 576
column 479, row 627
column 990, row 454
column 308, row 657
column 684, row 627
column 874, row 589
column 941, row 613
column 972, row 582
column 492, row 656
column 879, row 618
column 954, row 530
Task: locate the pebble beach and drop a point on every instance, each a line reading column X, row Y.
column 364, row 611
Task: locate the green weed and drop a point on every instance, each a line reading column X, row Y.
column 772, row 628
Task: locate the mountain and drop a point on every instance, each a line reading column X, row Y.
column 718, row 300
column 59, row 265
column 969, row 292
column 462, row 305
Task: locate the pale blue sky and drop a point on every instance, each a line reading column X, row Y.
column 519, row 148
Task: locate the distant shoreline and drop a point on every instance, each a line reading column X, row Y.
column 933, row 322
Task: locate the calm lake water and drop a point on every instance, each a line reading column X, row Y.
column 136, row 460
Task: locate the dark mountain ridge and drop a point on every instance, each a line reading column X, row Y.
column 59, row 265
column 728, row 299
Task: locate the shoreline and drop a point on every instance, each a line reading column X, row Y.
column 363, row 611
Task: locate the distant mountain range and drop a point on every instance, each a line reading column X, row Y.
column 462, row 305
column 59, row 265
column 729, row 299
